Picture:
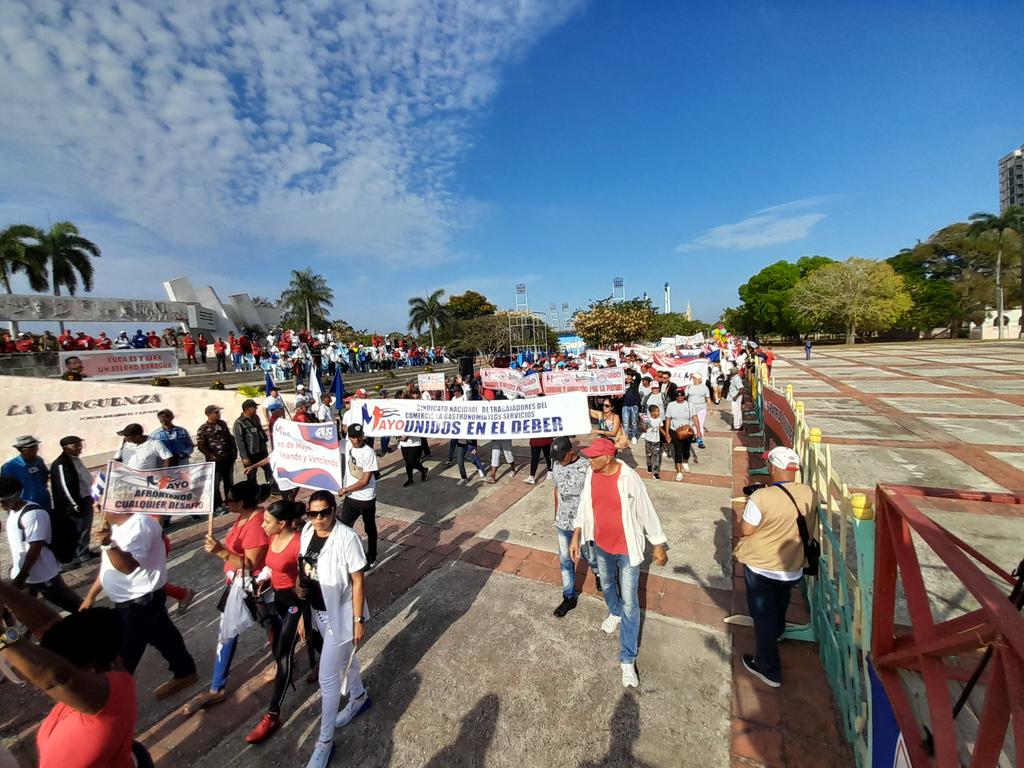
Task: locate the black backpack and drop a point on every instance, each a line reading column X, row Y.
column 63, row 535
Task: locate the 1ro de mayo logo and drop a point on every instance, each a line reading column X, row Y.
column 177, row 482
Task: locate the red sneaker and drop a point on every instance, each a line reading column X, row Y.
column 266, row 726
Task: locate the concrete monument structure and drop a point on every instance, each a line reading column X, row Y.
column 238, row 312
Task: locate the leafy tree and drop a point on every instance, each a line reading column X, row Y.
column 307, row 296
column 487, row 336
column 428, row 312
column 16, row 255
column 67, row 254
column 465, row 306
column 675, row 323
column 766, row 305
column 735, row 319
column 857, row 294
column 607, row 322
column 1010, row 221
column 807, row 264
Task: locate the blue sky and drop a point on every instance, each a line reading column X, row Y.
column 407, row 145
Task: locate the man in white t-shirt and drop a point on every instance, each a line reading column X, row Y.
column 359, row 489
column 323, row 411
column 133, row 573
column 33, row 566
column 140, row 452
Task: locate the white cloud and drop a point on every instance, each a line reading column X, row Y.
column 775, row 225
column 335, row 125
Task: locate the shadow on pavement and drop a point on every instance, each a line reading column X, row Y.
column 469, row 750
column 625, row 732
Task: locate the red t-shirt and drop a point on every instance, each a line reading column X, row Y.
column 608, row 531
column 218, row 347
column 69, row 739
column 154, row 341
column 540, row 442
column 246, row 535
column 284, row 565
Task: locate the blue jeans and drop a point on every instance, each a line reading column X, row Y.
column 568, row 567
column 630, row 420
column 621, row 583
column 767, row 602
column 222, row 663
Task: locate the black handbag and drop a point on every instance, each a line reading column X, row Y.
column 812, row 549
column 260, row 610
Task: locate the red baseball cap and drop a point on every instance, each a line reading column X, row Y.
column 602, row 446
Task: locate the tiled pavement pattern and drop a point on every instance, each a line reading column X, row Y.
column 506, row 528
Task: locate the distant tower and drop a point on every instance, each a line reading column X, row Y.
column 522, row 301
column 553, row 317
column 618, row 289
column 668, row 299
column 566, row 317
column 689, row 314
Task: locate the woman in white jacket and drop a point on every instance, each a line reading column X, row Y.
column 617, row 515
column 331, row 560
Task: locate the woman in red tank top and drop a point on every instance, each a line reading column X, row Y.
column 280, row 522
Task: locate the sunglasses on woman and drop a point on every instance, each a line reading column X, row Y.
column 325, row 512
column 606, row 406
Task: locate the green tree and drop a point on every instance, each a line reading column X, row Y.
column 607, row 322
column 487, row 336
column 1010, row 220
column 465, row 306
column 307, row 296
column 857, row 294
column 67, row 255
column 766, row 305
column 675, row 323
column 16, row 255
column 428, row 312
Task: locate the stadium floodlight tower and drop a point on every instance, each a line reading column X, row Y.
column 618, row 289
column 553, row 316
column 522, row 300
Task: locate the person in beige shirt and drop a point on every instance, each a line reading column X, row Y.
column 772, row 553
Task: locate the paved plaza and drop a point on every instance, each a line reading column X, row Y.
column 466, row 664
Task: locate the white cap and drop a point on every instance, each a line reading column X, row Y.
column 783, row 458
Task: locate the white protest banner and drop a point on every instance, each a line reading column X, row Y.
column 306, row 455
column 120, row 363
column 49, row 409
column 171, row 491
column 552, row 416
column 430, row 382
column 680, row 374
column 510, row 381
column 599, row 381
column 668, row 341
column 600, row 356
column 690, row 341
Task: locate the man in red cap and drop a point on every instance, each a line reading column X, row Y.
column 617, row 517
column 772, row 551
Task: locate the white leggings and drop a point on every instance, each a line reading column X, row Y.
column 499, row 447
column 701, row 415
column 333, row 659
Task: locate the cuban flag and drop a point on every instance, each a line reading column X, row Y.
column 99, row 487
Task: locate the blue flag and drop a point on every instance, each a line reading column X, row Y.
column 268, row 383
column 338, row 387
column 714, row 355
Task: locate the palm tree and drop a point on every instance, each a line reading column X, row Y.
column 309, row 294
column 16, row 256
column 1010, row 219
column 428, row 312
column 68, row 256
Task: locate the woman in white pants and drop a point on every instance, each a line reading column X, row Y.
column 331, row 560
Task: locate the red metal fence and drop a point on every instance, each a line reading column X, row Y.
column 938, row 651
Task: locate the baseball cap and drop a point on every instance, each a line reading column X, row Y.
column 131, row 430
column 250, row 403
column 560, row 447
column 783, row 458
column 212, row 408
column 355, row 430
column 602, row 446
column 360, row 392
column 70, row 440
column 299, row 387
column 25, row 441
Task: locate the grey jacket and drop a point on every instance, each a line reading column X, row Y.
column 250, row 438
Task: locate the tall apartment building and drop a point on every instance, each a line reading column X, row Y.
column 1011, row 179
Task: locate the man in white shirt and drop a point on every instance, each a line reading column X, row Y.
column 140, row 452
column 322, row 411
column 359, row 489
column 29, row 537
column 133, row 573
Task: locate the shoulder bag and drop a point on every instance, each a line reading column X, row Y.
column 812, row 549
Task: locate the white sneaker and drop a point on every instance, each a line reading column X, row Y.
column 480, row 472
column 634, row 441
column 629, row 678
column 531, row 480
column 610, row 624
column 686, row 467
column 462, row 481
column 352, row 710
column 322, row 754
column 679, row 477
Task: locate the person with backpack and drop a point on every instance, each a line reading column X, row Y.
column 29, row 536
